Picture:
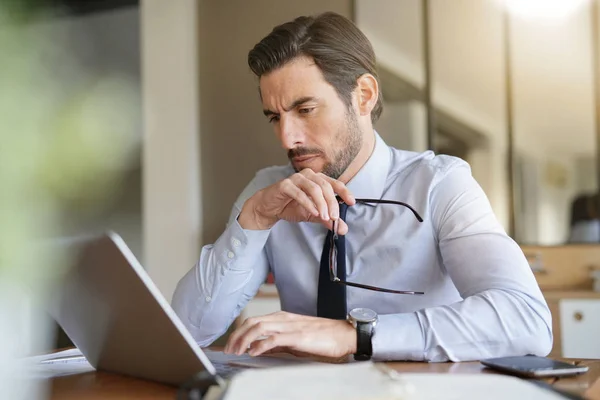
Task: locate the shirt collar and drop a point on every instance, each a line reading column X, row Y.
column 370, row 180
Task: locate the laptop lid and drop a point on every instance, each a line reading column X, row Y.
column 113, row 312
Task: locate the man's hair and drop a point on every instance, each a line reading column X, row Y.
column 340, row 50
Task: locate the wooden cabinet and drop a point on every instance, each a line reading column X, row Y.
column 580, row 327
column 566, row 276
column 575, row 323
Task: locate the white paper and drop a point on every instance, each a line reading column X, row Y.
column 52, row 370
column 65, row 356
column 324, row 381
column 60, row 363
column 377, row 382
column 475, row 386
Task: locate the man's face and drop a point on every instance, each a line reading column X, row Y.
column 314, row 125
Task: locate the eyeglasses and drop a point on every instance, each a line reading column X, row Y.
column 333, row 250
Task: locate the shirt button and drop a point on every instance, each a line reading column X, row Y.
column 230, row 254
column 236, row 242
column 208, row 299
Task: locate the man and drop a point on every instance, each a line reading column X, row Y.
column 320, row 91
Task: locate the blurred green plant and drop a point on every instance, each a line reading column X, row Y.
column 66, row 135
column 62, row 142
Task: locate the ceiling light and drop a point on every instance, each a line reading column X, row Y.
column 544, row 9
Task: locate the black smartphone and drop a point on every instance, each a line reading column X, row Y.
column 533, row 366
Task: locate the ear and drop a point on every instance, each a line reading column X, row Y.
column 367, row 91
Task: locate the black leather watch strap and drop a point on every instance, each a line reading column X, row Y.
column 364, row 347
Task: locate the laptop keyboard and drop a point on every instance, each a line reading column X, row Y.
column 227, row 370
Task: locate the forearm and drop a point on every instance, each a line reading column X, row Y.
column 490, row 324
column 229, row 273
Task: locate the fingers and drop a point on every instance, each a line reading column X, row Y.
column 297, row 334
column 333, row 207
column 322, row 190
column 286, row 340
column 255, row 327
column 316, row 195
column 313, row 187
column 252, row 334
column 342, row 227
column 291, row 189
column 341, row 190
column 267, row 329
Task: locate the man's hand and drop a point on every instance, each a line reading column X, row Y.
column 303, row 197
column 292, row 333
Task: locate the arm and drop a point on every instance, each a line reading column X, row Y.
column 213, row 293
column 228, row 275
column 503, row 312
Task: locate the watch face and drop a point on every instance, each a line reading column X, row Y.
column 363, row 314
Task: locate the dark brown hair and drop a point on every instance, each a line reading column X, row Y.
column 340, row 50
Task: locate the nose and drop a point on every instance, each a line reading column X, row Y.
column 290, row 132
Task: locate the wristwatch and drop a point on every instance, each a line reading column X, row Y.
column 364, row 320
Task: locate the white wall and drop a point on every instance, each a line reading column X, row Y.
column 402, row 125
column 553, row 90
column 394, row 29
column 554, row 120
column 466, row 47
column 551, row 63
column 546, row 199
column 171, row 159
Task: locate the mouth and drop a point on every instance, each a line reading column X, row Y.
column 304, row 159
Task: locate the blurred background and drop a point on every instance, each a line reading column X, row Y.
column 141, row 116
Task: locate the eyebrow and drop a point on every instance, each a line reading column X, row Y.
column 295, row 104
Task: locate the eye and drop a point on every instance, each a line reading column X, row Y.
column 273, row 119
column 306, row 110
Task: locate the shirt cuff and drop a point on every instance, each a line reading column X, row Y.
column 398, row 337
column 239, row 248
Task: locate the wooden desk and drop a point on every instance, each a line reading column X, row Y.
column 102, row 385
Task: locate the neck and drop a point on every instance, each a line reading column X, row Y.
column 361, row 158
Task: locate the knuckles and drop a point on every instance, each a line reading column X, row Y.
column 286, row 183
column 307, row 172
column 260, row 326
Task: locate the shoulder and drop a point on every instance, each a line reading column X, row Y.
column 424, row 168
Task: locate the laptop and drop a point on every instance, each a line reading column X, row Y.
column 112, row 311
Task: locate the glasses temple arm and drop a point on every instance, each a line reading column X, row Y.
column 378, row 201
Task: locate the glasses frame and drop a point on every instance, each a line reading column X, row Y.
column 333, row 251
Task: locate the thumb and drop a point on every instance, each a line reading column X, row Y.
column 342, row 227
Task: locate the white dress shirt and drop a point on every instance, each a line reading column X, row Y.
column 481, row 299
